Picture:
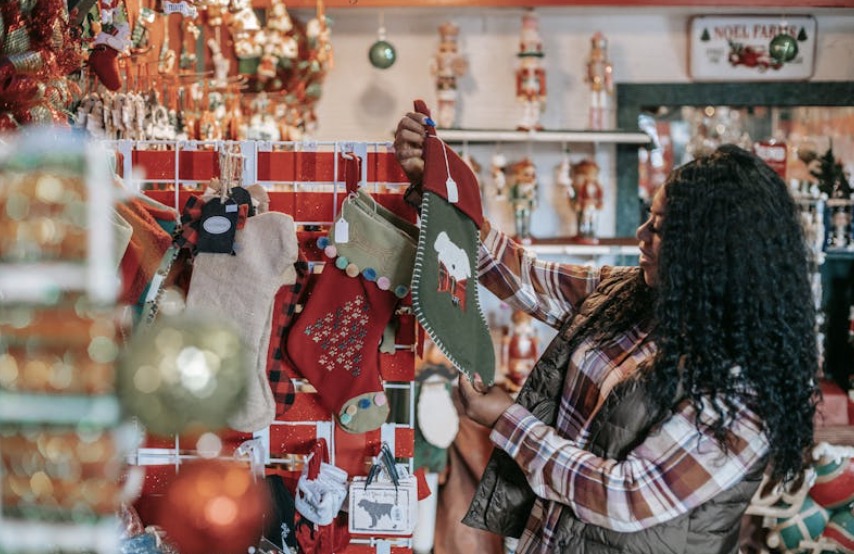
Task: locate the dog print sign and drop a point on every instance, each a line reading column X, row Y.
column 383, row 509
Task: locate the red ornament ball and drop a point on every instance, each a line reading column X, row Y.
column 213, row 506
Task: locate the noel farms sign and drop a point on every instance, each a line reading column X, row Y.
column 751, row 48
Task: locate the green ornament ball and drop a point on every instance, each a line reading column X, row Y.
column 783, row 48
column 382, row 54
column 183, row 374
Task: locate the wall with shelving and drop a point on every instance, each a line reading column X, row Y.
column 646, row 45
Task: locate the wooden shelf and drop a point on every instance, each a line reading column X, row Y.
column 574, row 247
column 498, row 135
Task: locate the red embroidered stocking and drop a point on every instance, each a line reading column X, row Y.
column 334, row 343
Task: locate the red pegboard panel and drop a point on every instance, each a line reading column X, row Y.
column 354, row 452
column 202, row 165
column 306, row 407
column 404, row 442
column 291, row 439
column 405, row 329
column 383, row 168
column 155, row 164
column 398, row 367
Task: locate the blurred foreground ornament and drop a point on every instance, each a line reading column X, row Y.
column 183, row 373
column 212, row 506
column 382, row 53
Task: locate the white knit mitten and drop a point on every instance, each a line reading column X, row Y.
column 241, row 289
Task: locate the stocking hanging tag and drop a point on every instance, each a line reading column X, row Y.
column 218, row 226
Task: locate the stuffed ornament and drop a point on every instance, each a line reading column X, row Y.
column 335, row 340
column 444, row 283
column 104, row 57
column 241, row 288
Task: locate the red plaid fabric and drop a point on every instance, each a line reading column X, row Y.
column 191, row 219
column 284, row 307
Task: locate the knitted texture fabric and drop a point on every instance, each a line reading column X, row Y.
column 334, row 344
column 241, row 288
column 444, row 283
column 335, row 340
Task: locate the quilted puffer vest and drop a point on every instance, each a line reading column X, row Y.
column 503, row 500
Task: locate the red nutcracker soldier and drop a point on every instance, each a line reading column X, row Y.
column 601, row 79
column 530, row 76
column 588, row 197
column 522, row 350
column 446, row 66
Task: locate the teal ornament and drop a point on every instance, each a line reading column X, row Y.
column 382, row 54
column 783, row 48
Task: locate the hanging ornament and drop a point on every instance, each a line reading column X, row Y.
column 212, row 506
column 783, row 48
column 182, row 374
column 382, row 53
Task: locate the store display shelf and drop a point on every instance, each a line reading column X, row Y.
column 35, row 536
column 839, row 253
column 841, row 435
column 496, row 135
column 100, row 411
column 573, row 247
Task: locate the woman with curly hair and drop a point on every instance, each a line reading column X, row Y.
column 647, row 424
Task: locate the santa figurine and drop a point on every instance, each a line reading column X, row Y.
column 530, row 76
column 523, row 197
column 588, row 197
column 446, row 66
column 600, row 77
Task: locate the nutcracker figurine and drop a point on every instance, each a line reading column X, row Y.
column 446, row 66
column 588, row 197
column 530, row 76
column 522, row 350
column 601, row 79
column 523, row 197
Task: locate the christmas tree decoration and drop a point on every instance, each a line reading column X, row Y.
column 183, row 373
column 840, row 530
column 783, row 48
column 807, row 524
column 382, row 54
column 38, row 53
column 212, row 506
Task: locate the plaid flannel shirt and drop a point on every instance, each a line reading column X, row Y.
column 675, row 469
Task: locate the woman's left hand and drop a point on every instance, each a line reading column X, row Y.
column 483, row 404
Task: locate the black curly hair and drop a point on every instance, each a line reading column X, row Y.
column 734, row 290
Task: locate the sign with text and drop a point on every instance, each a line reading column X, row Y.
column 752, row 48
